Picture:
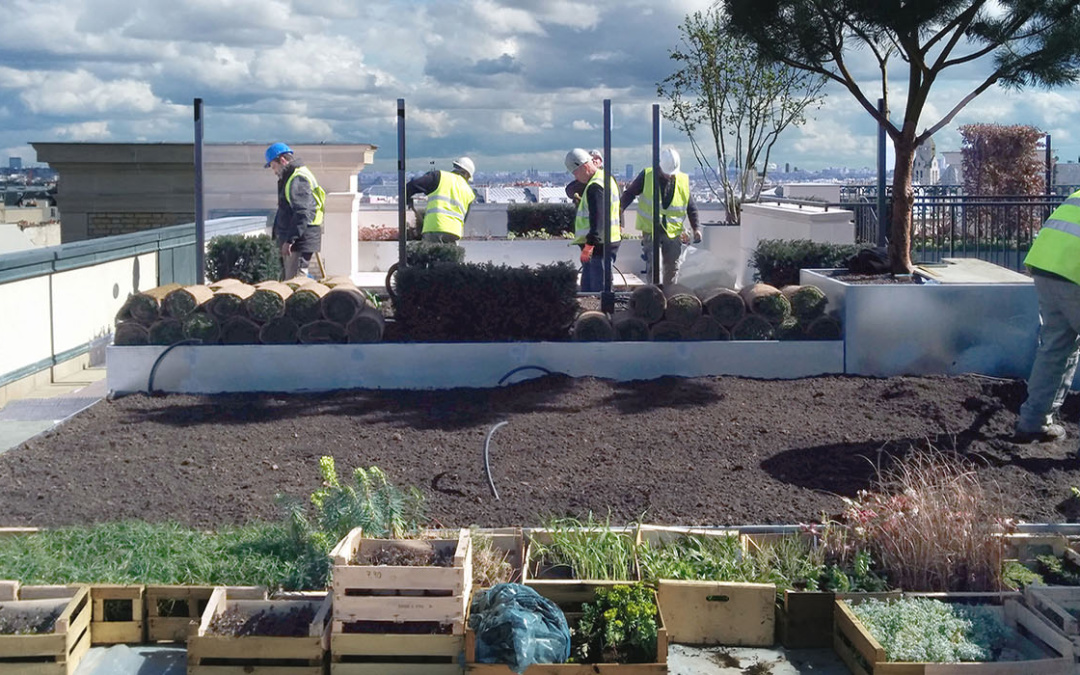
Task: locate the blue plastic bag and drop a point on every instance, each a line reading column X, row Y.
column 517, row 626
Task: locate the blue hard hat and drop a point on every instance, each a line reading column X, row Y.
column 274, row 151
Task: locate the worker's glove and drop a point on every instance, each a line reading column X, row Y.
column 592, row 239
column 586, row 253
column 697, row 236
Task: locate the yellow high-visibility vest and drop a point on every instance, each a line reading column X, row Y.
column 448, row 204
column 1057, row 246
column 581, row 221
column 316, row 191
column 674, row 212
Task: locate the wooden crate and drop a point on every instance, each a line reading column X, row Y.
column 804, row 619
column 1057, row 604
column 170, row 610
column 108, row 599
column 865, row 656
column 1025, row 547
column 259, row 654
column 510, row 540
column 569, row 596
column 532, row 574
column 395, row 654
column 707, row 612
column 55, row 653
column 397, row 593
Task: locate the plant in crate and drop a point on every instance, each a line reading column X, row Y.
column 619, row 627
column 582, row 550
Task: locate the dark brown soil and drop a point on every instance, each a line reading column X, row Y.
column 293, row 622
column 29, row 622
column 715, row 451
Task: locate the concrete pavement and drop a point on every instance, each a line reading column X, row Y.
column 49, row 405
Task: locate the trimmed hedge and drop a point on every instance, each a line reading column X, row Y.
column 470, row 302
column 778, row 261
column 555, row 219
column 249, row 259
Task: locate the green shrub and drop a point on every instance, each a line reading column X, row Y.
column 620, row 627
column 778, row 261
column 924, row 630
column 427, row 253
column 554, row 219
column 249, row 259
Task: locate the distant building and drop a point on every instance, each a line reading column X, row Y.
column 15, row 163
column 1067, row 173
column 629, row 173
column 925, row 167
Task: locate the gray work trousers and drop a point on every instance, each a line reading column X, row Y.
column 1057, row 354
column 297, row 264
column 670, row 250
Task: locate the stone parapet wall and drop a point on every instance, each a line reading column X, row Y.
column 110, row 223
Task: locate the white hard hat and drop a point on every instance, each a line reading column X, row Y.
column 576, row 158
column 669, row 160
column 598, row 154
column 466, row 165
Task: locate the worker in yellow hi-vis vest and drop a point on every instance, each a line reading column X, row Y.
column 299, row 219
column 448, row 200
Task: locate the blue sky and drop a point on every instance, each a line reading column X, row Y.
column 512, row 83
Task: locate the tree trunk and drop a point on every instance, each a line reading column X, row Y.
column 903, row 199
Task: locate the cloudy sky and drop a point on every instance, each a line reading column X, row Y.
column 512, row 83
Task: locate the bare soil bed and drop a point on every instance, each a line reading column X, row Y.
column 715, row 451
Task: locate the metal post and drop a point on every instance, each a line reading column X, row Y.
column 200, row 219
column 1049, row 167
column 402, row 256
column 656, row 194
column 881, row 216
column 607, row 297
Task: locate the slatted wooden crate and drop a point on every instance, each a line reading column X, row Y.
column 118, row 614
column 1059, row 604
column 170, row 610
column 401, row 593
column 259, row 654
column 55, row 653
column 569, row 596
column 861, row 653
column 507, row 540
column 396, row 654
column 804, row 619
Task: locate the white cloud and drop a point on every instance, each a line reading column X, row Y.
column 582, row 125
column 80, row 92
column 83, row 131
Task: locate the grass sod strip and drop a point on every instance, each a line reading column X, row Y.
column 824, row 328
column 807, row 302
column 368, row 326
column 707, row 328
column 280, row 331
column 790, row 329
column 268, row 301
column 630, row 328
column 323, row 332
column 240, row 331
column 299, row 282
column 767, row 302
column 131, row 334
column 145, row 307
column 593, row 327
column 725, row 305
column 753, row 327
column 202, row 326
column 166, row 332
column 334, row 282
column 303, row 305
column 648, row 303
column 342, row 303
column 222, row 283
column 682, row 305
column 134, row 552
column 229, row 301
column 667, row 331
column 183, row 301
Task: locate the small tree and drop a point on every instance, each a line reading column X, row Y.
column 1031, row 42
column 741, row 98
column 1003, row 161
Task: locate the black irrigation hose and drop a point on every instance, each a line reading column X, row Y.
column 521, row 368
column 157, row 362
column 625, row 285
column 487, row 461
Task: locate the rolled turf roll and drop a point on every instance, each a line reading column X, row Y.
column 145, row 307
column 366, row 326
column 824, row 328
column 323, row 332
column 767, row 302
column 342, row 303
column 753, row 327
column 280, row 331
column 267, row 302
column 131, row 334
column 648, row 303
column 707, row 328
column 299, row 282
column 183, row 301
column 790, row 329
column 682, row 305
column 593, row 327
column 222, row 283
column 303, row 306
column 668, row 331
column 334, row 282
column 239, row 330
column 807, row 302
column 629, row 328
column 202, row 326
column 229, row 301
column 166, row 332
column 723, row 304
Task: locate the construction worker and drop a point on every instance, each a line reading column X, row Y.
column 1054, row 263
column 575, row 187
column 590, row 218
column 448, row 200
column 299, row 218
column 676, row 203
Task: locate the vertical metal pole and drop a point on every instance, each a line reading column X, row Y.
column 656, row 194
column 607, row 297
column 881, row 216
column 200, row 219
column 401, row 181
column 1049, row 167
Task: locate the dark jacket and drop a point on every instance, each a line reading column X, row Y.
column 293, row 221
column 667, row 193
